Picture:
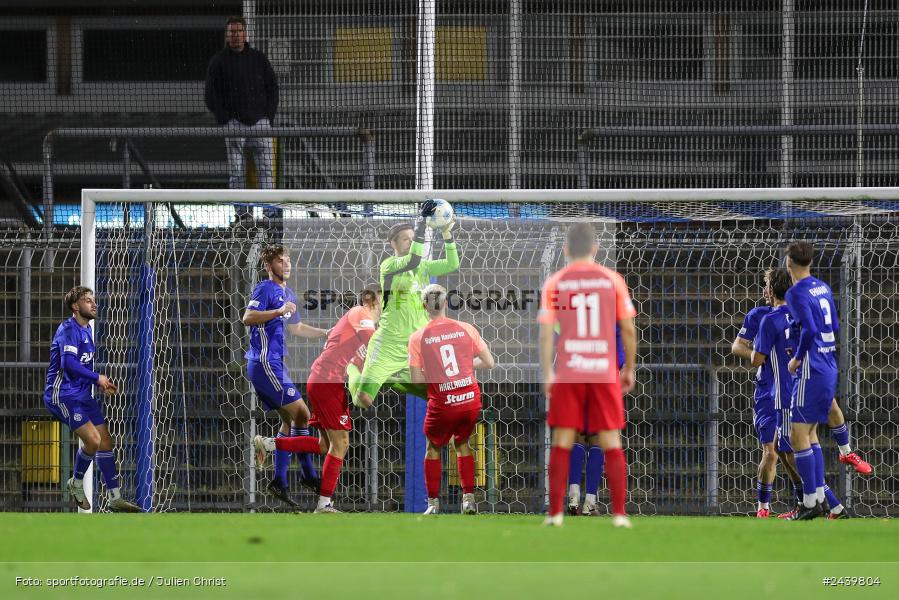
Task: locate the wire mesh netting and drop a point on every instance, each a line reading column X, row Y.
column 171, row 299
column 469, row 94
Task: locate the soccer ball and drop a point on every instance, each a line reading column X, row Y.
column 443, row 214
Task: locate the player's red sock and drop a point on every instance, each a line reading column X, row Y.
column 432, row 477
column 558, row 478
column 299, row 443
column 466, row 473
column 616, row 476
column 330, row 473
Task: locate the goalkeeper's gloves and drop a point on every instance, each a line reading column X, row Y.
column 447, row 231
column 428, row 208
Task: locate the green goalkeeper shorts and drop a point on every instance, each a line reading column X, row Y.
column 383, row 360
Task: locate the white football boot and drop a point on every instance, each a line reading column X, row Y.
column 433, row 507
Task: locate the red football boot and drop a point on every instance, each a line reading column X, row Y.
column 855, row 461
column 788, row 515
column 763, row 513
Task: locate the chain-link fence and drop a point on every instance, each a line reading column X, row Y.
column 171, row 298
column 469, row 94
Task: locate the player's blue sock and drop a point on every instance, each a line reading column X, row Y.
column 841, row 437
column 832, row 499
column 596, row 460
column 106, row 463
column 764, row 492
column 819, row 471
column 805, row 464
column 282, row 463
column 307, row 469
column 576, row 464
column 82, row 461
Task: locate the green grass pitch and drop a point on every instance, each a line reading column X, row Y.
column 448, row 556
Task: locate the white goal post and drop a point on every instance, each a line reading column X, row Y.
column 171, row 288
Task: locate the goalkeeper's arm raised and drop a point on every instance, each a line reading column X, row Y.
column 396, row 265
column 450, row 262
column 413, row 260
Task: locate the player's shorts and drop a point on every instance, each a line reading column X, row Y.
column 587, row 407
column 329, row 404
column 783, row 431
column 272, row 384
column 441, row 426
column 765, row 427
column 812, row 398
column 75, row 411
column 384, row 358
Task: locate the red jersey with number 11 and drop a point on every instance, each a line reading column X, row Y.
column 586, row 299
column 445, row 349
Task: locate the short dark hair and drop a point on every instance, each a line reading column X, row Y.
column 801, row 253
column 580, row 240
column 270, row 253
column 780, row 281
column 396, row 229
column 75, row 294
column 235, row 19
column 370, row 293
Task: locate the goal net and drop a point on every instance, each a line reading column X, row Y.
column 173, row 271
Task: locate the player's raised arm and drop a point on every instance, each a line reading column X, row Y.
column 450, row 262
column 409, row 249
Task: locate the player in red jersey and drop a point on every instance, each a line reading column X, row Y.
column 444, row 354
column 584, row 391
column 345, row 346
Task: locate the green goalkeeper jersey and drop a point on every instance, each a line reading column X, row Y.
column 403, row 312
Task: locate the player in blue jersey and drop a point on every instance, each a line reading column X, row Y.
column 270, row 313
column 767, row 397
column 810, row 301
column 765, row 423
column 775, row 345
column 586, row 448
column 742, row 346
column 70, row 377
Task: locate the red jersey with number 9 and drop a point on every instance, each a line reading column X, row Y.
column 445, row 350
column 586, row 299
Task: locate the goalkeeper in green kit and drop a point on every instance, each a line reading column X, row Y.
column 402, row 277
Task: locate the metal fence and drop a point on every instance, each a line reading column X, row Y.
column 483, row 94
column 690, row 443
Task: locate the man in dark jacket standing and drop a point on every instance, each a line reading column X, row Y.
column 242, row 93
